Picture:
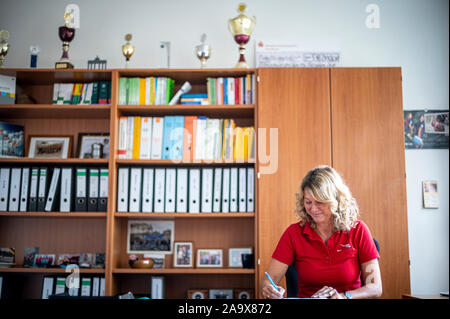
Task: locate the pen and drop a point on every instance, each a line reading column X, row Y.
column 271, row 281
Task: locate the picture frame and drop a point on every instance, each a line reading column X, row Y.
column 220, row 293
column 183, row 254
column 197, row 294
column 430, row 194
column 93, row 145
column 150, row 237
column 209, row 257
column 235, row 256
column 42, row 146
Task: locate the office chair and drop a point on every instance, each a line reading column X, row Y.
column 292, row 277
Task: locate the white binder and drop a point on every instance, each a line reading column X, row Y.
column 66, row 190
column 24, row 189
column 157, row 136
column 226, row 190
column 147, row 190
column 242, row 189
column 233, row 189
column 250, row 189
column 122, row 190
column 135, row 189
column 217, row 195
column 4, row 188
column 14, row 191
column 51, row 198
column 207, row 189
column 60, row 286
column 47, row 287
column 146, row 138
column 182, row 188
column 86, row 284
column 160, row 176
column 194, row 190
column 95, row 286
column 158, row 287
column 171, row 181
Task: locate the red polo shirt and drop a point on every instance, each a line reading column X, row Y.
column 336, row 264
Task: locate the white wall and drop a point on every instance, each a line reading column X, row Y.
column 413, row 34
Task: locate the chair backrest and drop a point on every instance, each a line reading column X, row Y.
column 292, row 277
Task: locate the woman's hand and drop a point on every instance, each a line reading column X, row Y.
column 268, row 292
column 328, row 292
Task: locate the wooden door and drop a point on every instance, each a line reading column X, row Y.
column 296, row 102
column 368, row 150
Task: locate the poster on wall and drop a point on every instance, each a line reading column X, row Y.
column 426, row 129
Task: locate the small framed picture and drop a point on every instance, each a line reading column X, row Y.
column 50, row 146
column 197, row 294
column 209, row 257
column 221, row 294
column 93, row 145
column 182, row 256
column 150, row 237
column 430, row 194
column 235, row 256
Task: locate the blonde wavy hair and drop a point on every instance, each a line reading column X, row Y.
column 327, row 186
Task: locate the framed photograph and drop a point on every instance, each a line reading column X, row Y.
column 209, row 257
column 430, row 194
column 221, row 294
column 11, row 140
column 197, row 294
column 93, row 145
column 49, row 146
column 149, row 237
column 244, row 293
column 235, row 256
column 182, row 256
column 426, row 129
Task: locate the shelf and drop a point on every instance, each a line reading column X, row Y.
column 184, row 215
column 219, row 111
column 53, row 111
column 186, row 271
column 50, row 270
column 26, row 160
column 180, row 162
column 55, row 214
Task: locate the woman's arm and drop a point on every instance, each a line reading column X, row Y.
column 276, row 270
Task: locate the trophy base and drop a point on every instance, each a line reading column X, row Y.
column 63, row 65
column 242, row 65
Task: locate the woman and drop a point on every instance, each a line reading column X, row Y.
column 331, row 248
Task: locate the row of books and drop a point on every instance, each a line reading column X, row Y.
column 84, row 286
column 186, row 138
column 186, row 190
column 98, row 92
column 145, row 91
column 45, row 189
column 231, row 90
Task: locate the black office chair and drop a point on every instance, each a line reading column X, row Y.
column 292, row 277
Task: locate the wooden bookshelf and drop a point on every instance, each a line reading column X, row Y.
column 96, row 232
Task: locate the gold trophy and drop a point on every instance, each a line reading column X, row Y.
column 241, row 27
column 127, row 49
column 66, row 34
column 4, row 46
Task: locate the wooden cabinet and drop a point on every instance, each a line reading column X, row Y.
column 350, row 118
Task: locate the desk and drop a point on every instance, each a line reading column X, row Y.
column 406, row 296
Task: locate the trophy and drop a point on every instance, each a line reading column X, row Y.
column 34, row 50
column 127, row 49
column 66, row 34
column 4, row 46
column 241, row 27
column 203, row 51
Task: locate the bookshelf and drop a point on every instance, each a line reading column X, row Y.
column 82, row 232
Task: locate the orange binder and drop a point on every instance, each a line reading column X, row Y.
column 189, row 138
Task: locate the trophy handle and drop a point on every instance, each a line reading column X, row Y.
column 229, row 25
column 253, row 24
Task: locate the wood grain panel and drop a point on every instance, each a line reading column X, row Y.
column 297, row 103
column 368, row 150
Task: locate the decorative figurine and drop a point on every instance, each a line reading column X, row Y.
column 127, row 49
column 34, row 50
column 4, row 46
column 241, row 27
column 66, row 34
column 166, row 45
column 203, row 51
column 96, row 63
